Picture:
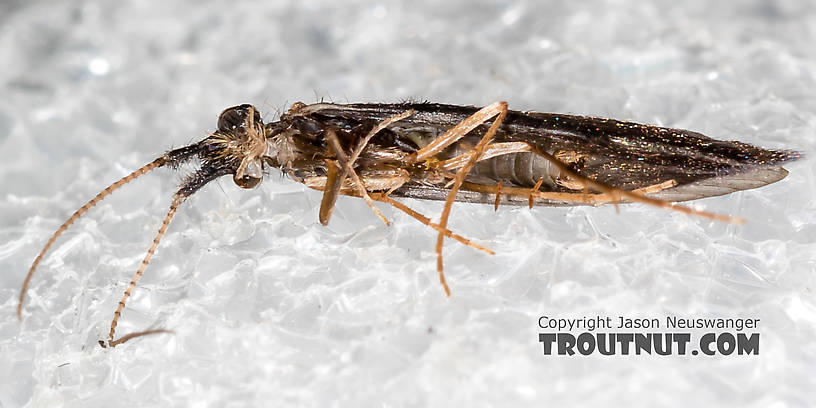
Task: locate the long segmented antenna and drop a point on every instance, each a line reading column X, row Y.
column 193, row 183
column 133, row 335
column 177, row 199
column 161, row 161
column 171, row 158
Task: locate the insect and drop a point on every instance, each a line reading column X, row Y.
column 491, row 155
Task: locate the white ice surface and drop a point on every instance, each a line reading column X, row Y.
column 270, row 308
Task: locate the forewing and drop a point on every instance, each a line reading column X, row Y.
column 621, row 154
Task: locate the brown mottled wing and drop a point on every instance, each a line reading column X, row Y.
column 622, row 154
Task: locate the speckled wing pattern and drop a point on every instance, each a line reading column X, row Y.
column 621, row 154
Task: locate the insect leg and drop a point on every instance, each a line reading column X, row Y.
column 555, row 196
column 533, row 191
column 457, row 132
column 380, row 181
column 618, row 194
column 331, row 191
column 452, row 135
column 347, row 168
column 391, row 183
column 610, row 194
column 498, row 196
column 427, row 221
column 492, row 150
column 364, row 141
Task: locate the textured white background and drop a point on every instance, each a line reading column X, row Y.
column 270, row 308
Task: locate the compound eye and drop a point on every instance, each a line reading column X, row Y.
column 235, row 117
column 246, row 181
